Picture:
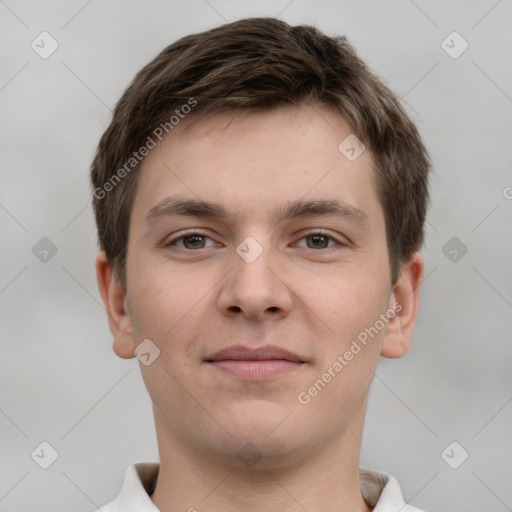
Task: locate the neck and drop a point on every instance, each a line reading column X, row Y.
column 325, row 478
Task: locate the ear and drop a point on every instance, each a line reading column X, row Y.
column 114, row 299
column 404, row 301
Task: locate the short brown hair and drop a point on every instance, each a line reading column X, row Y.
column 260, row 64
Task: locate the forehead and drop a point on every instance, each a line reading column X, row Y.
column 251, row 161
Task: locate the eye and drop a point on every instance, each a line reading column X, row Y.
column 190, row 240
column 320, row 240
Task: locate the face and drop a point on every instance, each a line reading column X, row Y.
column 257, row 265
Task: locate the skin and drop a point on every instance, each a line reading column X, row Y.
column 309, row 295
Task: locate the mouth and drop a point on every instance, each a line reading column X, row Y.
column 255, row 364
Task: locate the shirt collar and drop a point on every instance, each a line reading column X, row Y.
column 379, row 490
column 382, row 491
column 139, row 482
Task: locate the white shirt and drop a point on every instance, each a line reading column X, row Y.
column 379, row 489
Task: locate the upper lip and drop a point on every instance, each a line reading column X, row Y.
column 239, row 352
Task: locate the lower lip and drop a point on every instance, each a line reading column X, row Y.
column 256, row 370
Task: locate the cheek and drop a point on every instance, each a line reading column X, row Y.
column 153, row 304
column 167, row 306
column 347, row 304
column 348, row 355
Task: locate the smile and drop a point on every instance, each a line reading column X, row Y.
column 255, row 364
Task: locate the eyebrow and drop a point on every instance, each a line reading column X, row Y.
column 176, row 206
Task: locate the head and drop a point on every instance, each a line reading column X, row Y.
column 257, row 116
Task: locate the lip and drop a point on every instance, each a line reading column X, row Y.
column 266, row 353
column 255, row 364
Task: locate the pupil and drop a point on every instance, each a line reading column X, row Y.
column 194, row 239
column 319, row 240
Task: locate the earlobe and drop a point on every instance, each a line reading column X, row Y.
column 404, row 301
column 116, row 304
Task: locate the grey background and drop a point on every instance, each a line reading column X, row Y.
column 59, row 379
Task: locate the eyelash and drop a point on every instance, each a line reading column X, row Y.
column 193, row 232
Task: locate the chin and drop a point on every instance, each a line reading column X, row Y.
column 260, row 438
column 245, row 451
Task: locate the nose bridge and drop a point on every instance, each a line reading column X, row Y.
column 252, row 263
column 253, row 286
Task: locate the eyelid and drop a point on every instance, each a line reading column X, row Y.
column 183, row 234
column 340, row 240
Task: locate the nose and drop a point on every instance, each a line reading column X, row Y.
column 254, row 288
